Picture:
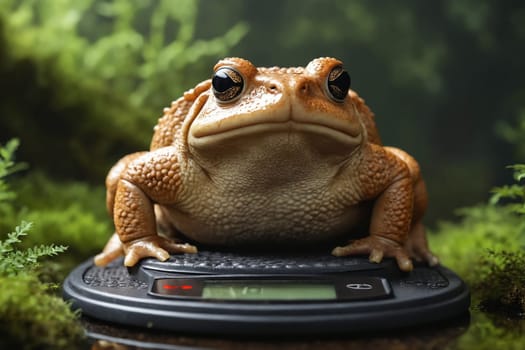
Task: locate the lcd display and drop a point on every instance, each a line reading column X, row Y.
column 260, row 290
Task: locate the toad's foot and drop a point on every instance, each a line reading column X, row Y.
column 154, row 246
column 151, row 246
column 423, row 254
column 417, row 246
column 377, row 248
column 112, row 250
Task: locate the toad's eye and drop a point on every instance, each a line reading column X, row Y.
column 338, row 83
column 227, row 84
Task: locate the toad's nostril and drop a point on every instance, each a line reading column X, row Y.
column 303, row 87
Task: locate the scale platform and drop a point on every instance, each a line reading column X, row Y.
column 232, row 293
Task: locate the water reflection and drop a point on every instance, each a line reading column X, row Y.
column 436, row 336
column 108, row 345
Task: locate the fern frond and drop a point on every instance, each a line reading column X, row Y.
column 7, row 154
column 13, row 260
column 519, row 171
column 514, row 195
column 14, row 237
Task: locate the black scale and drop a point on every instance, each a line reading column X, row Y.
column 238, row 294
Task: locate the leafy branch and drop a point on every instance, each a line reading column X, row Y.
column 13, row 260
column 31, row 314
column 8, row 167
column 514, row 194
column 116, row 55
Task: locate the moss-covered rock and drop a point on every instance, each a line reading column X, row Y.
column 487, row 249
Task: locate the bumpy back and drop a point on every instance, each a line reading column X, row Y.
column 169, row 126
column 367, row 118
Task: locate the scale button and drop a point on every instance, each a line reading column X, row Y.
column 365, row 288
column 359, row 286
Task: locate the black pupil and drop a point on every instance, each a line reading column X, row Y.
column 340, row 85
column 227, row 84
column 222, row 82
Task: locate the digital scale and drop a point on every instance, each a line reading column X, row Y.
column 259, row 294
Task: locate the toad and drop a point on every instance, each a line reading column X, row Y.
column 268, row 157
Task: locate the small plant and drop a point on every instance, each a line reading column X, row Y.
column 12, row 261
column 488, row 248
column 31, row 315
column 514, row 194
column 8, row 167
column 503, row 287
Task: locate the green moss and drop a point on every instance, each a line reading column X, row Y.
column 461, row 245
column 485, row 333
column 75, row 216
column 32, row 316
column 66, row 212
column 502, row 287
column 486, row 248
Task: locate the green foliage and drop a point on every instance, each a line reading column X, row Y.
column 98, row 74
column 514, row 193
column 461, row 245
column 486, row 247
column 502, row 284
column 513, row 132
column 485, row 334
column 139, row 49
column 76, row 216
column 7, row 163
column 502, row 288
column 7, row 167
column 31, row 315
column 12, row 261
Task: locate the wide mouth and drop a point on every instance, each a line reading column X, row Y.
column 328, row 131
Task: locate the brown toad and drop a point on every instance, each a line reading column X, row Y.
column 268, row 156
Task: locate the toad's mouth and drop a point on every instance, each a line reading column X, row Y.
column 337, row 133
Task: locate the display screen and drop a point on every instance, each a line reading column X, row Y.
column 260, row 290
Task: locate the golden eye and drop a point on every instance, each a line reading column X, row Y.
column 338, row 83
column 227, row 84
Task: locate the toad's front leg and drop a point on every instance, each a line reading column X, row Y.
column 136, row 227
column 391, row 187
column 388, row 228
column 151, row 178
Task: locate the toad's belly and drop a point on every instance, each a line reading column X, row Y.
column 263, row 219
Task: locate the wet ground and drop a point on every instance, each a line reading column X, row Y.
column 435, row 336
column 474, row 330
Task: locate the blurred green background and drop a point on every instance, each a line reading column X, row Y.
column 83, row 82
